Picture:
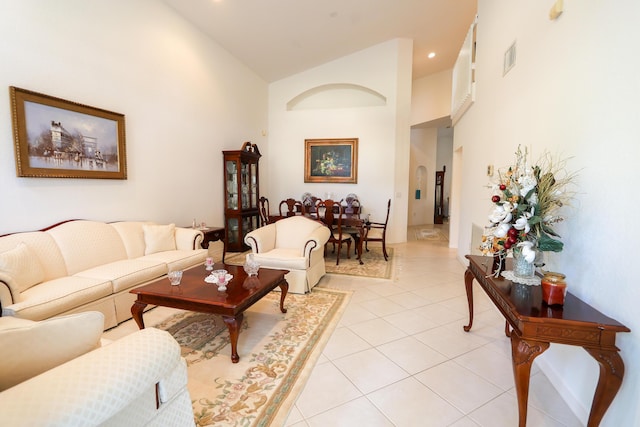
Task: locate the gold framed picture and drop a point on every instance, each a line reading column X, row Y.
column 56, row 138
column 331, row 160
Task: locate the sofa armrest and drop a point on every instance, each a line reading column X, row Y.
column 95, row 386
column 188, row 239
column 318, row 238
column 8, row 294
column 262, row 239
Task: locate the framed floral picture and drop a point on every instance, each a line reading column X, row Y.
column 56, row 138
column 331, row 160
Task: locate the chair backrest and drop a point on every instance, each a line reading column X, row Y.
column 386, row 220
column 331, row 212
column 294, row 232
column 291, row 207
column 264, row 210
column 352, row 204
column 310, row 203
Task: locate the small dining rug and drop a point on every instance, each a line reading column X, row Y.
column 374, row 264
column 277, row 354
column 432, row 234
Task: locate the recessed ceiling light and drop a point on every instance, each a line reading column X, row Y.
column 431, row 55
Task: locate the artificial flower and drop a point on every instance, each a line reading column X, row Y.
column 526, row 200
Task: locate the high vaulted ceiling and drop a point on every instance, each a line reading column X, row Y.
column 278, row 38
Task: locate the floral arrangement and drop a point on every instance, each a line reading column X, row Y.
column 526, row 200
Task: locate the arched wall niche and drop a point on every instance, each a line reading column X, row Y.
column 337, row 95
column 421, row 181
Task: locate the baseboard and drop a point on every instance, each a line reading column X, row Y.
column 558, row 382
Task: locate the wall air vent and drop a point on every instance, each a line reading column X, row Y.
column 509, row 59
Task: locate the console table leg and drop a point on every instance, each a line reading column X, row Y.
column 233, row 324
column 136, row 310
column 522, row 353
column 609, row 382
column 468, row 284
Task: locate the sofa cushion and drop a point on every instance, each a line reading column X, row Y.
column 57, row 296
column 287, row 259
column 132, row 236
column 43, row 246
column 159, row 238
column 87, row 244
column 179, row 260
column 21, row 264
column 127, row 273
column 30, row 348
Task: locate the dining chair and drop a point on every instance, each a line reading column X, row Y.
column 264, row 210
column 353, row 204
column 291, row 207
column 310, row 203
column 377, row 232
column 325, row 210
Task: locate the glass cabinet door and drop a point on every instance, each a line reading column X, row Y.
column 233, row 235
column 254, row 185
column 232, row 185
column 245, row 179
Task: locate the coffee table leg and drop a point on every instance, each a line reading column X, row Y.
column 233, row 324
column 136, row 310
column 284, row 288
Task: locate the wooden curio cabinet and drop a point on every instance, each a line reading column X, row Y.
column 241, row 194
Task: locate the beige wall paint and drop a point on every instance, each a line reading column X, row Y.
column 184, row 98
column 382, row 130
column 424, row 144
column 573, row 91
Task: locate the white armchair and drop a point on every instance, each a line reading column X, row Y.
column 295, row 244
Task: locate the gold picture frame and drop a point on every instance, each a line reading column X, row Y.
column 331, row 160
column 56, row 138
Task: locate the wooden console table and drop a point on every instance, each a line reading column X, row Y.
column 213, row 234
column 535, row 325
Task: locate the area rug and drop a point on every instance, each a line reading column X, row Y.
column 374, row 263
column 277, row 354
column 430, row 234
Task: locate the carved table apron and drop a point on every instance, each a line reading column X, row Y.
column 535, row 325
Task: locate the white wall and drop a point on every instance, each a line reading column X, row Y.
column 444, row 158
column 184, row 98
column 431, row 97
column 574, row 90
column 382, row 130
column 424, row 144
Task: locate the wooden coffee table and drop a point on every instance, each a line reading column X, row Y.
column 195, row 294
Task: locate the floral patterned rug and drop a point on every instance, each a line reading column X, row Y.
column 277, row 353
column 373, row 265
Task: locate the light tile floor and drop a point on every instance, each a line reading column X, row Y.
column 399, row 356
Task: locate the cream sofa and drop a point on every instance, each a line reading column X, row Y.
column 89, row 265
column 54, row 373
column 295, row 244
